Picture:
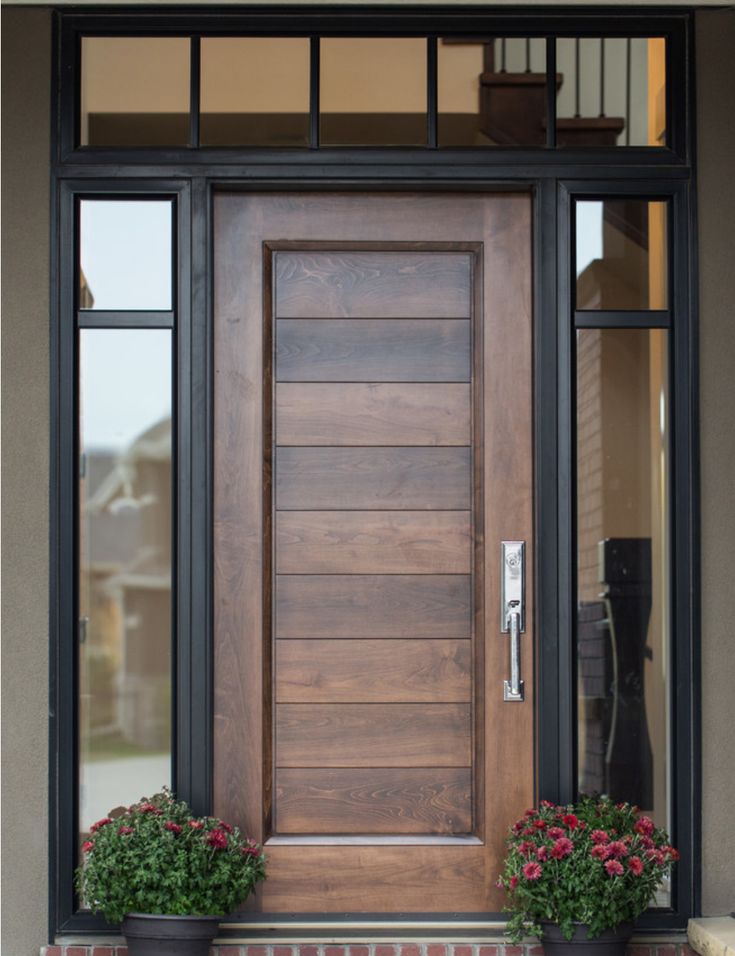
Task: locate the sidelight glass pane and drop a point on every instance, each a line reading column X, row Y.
column 254, row 91
column 373, row 91
column 623, row 585
column 125, row 254
column 135, row 91
column 125, row 551
column 611, row 91
column 492, row 91
column 621, row 254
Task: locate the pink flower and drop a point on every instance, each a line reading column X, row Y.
column 600, row 852
column 173, row 827
column 556, row 832
column 671, row 853
column 618, row 849
column 571, row 821
column 614, row 868
column 149, row 808
column 657, row 856
column 561, row 848
column 124, row 831
column 217, row 839
column 546, row 803
column 100, row 823
column 647, row 843
column 532, row 871
column 86, row 847
column 513, row 883
column 250, row 851
column 224, row 826
column 599, row 836
column 196, row 824
column 635, row 865
column 529, row 831
column 540, row 824
column 644, row 826
column 542, row 854
column 526, row 848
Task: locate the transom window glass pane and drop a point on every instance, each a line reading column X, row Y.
column 623, row 588
column 254, row 91
column 125, row 254
column 125, row 538
column 621, row 254
column 492, row 91
column 611, row 92
column 135, row 91
column 373, row 91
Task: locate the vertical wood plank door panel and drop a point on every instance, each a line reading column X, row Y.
column 373, row 447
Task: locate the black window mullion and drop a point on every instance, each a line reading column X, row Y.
column 314, row 81
column 432, row 99
column 104, row 319
column 195, row 63
column 551, row 92
column 622, row 319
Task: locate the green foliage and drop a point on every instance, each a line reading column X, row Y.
column 596, row 862
column 156, row 857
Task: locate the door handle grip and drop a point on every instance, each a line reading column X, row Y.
column 513, row 688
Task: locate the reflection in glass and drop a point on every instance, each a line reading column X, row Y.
column 254, row 91
column 125, row 254
column 124, row 568
column 373, row 91
column 492, row 91
column 622, row 566
column 135, row 91
column 611, row 91
column 621, row 254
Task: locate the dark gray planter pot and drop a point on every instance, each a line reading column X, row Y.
column 613, row 942
column 149, row 934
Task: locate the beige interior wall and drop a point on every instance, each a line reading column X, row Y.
column 26, row 86
column 716, row 152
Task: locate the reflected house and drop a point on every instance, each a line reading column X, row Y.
column 127, row 511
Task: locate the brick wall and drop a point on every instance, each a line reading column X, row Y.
column 658, row 948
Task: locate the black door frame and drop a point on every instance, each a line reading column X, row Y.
column 555, row 178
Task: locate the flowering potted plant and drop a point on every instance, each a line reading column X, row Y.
column 578, row 875
column 167, row 875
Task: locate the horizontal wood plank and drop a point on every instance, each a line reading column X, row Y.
column 372, row 350
column 373, row 735
column 373, row 671
column 374, row 606
column 424, row 800
column 372, row 414
column 373, row 478
column 373, row 542
column 379, row 284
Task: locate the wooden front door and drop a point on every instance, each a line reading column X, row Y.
column 373, row 447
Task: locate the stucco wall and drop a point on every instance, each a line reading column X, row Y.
column 26, row 84
column 25, row 125
column 716, row 156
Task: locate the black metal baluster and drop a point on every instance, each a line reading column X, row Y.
column 502, row 55
column 576, row 78
column 528, row 54
column 627, row 90
column 602, row 76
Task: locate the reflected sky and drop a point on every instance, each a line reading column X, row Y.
column 589, row 233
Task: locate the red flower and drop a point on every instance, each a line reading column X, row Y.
column 173, row 827
column 513, row 882
column 600, row 852
column 614, row 868
column 217, row 839
column 224, row 826
column 530, row 813
column 644, row 826
column 149, row 808
column 571, row 821
column 556, row 832
column 599, row 836
column 546, row 803
column 540, row 824
column 123, row 831
column 542, row 854
column 561, row 848
column 250, row 851
column 196, row 824
column 618, row 849
column 671, row 853
column 529, row 831
column 86, row 847
column 526, row 848
column 647, row 843
column 532, row 871
column 635, row 865
column 100, row 823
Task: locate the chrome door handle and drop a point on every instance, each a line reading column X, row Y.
column 512, row 611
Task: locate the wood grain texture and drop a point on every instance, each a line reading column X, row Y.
column 363, row 414
column 373, row 735
column 373, row 542
column 373, row 606
column 424, row 800
column 372, row 350
column 377, row 284
column 373, row 671
column 373, row 478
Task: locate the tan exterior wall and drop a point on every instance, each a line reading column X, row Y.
column 26, row 85
column 716, row 155
column 26, row 44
